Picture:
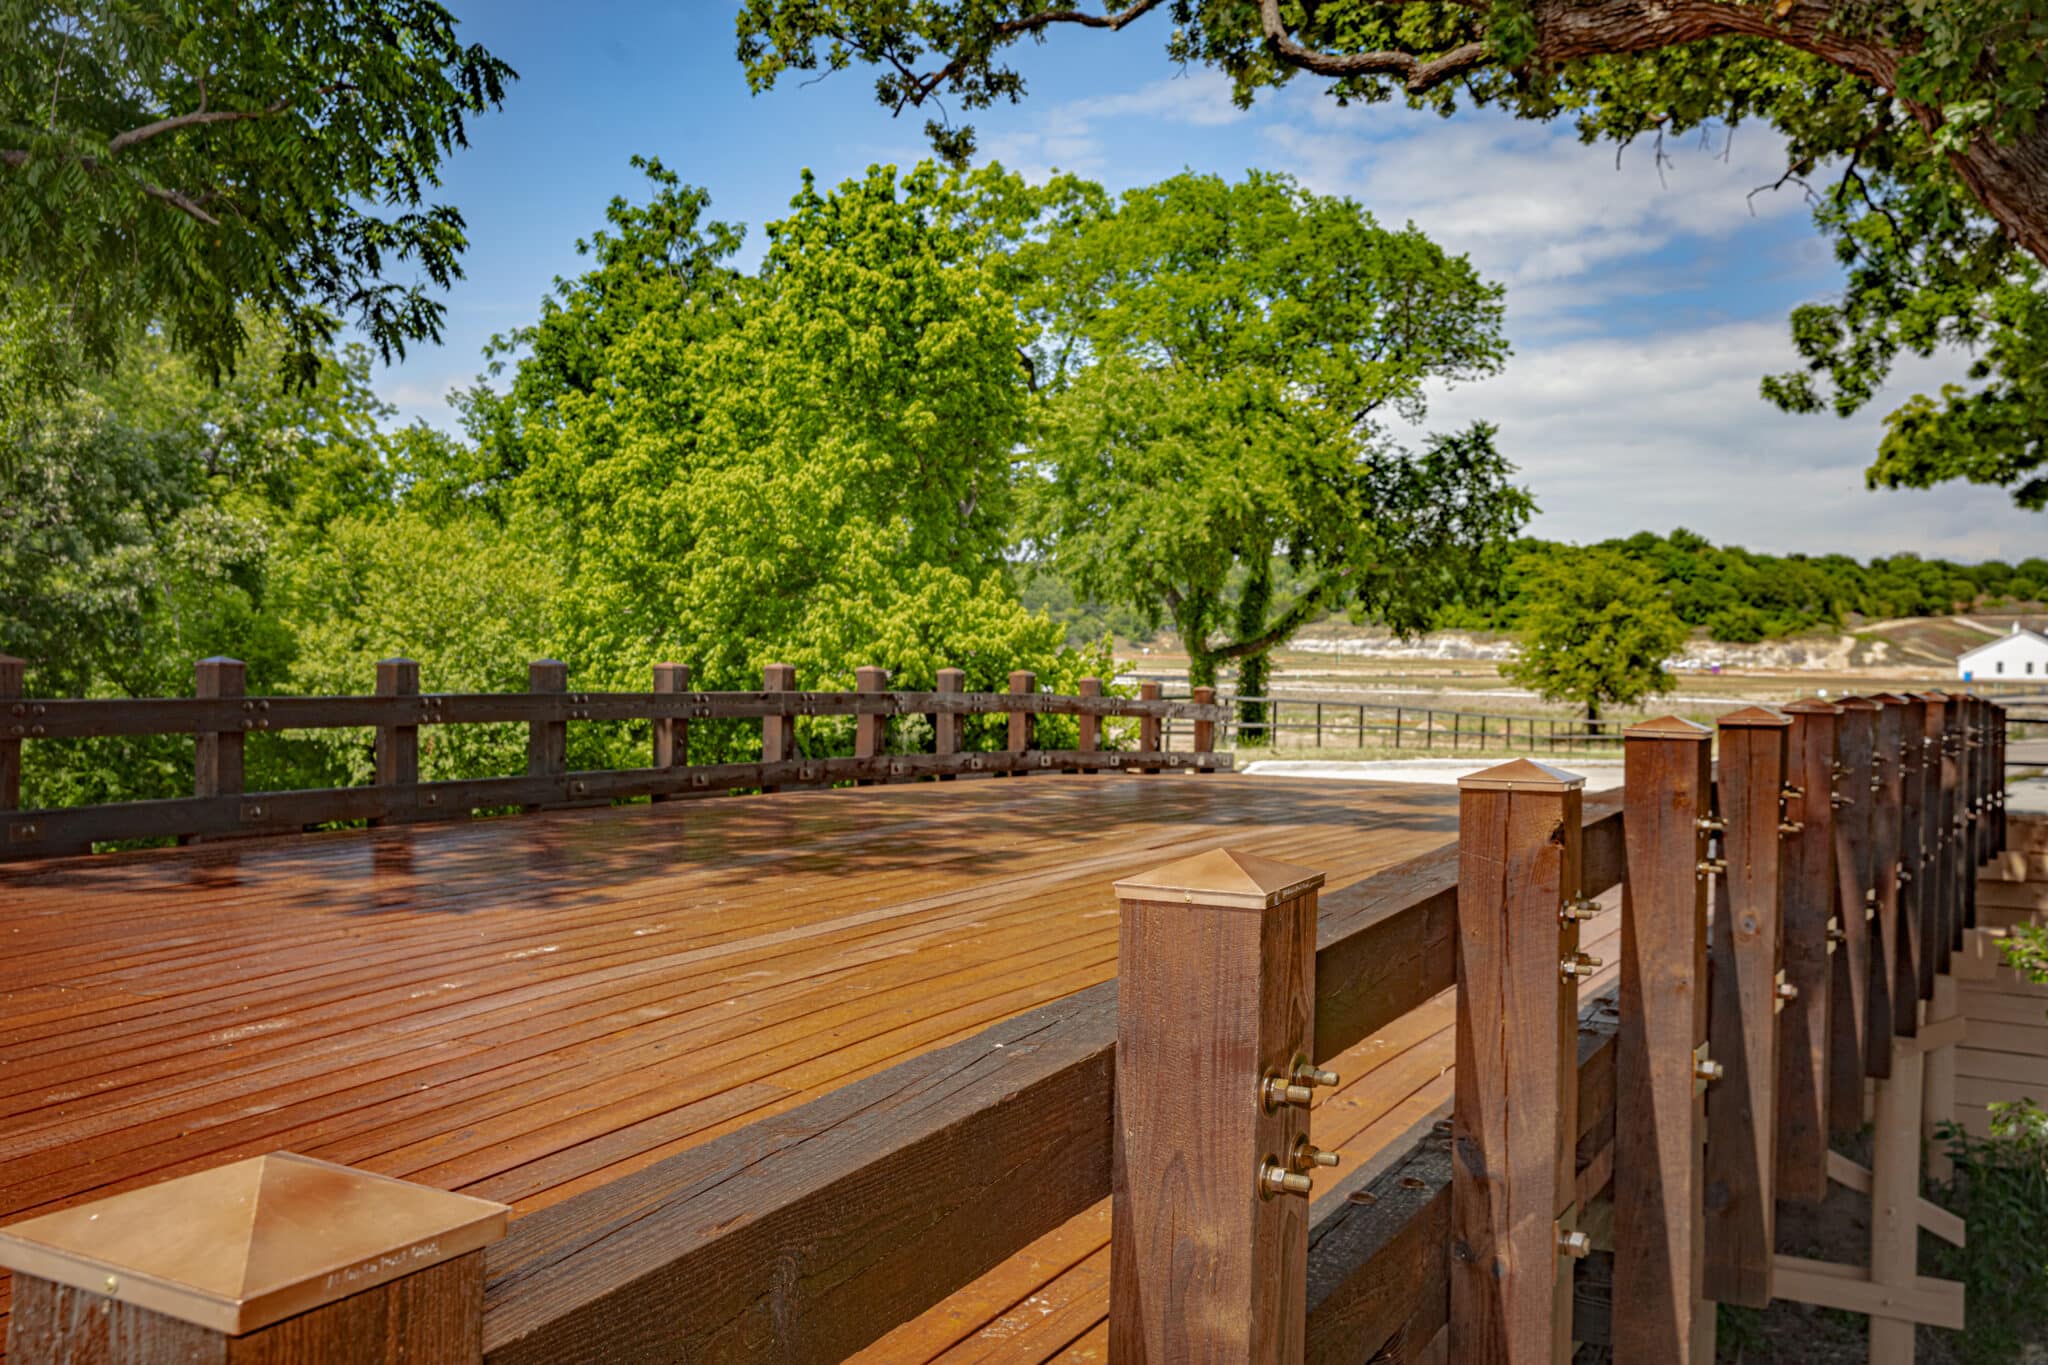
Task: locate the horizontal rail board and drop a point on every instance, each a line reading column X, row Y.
column 96, row 718
column 28, row 832
column 808, row 1235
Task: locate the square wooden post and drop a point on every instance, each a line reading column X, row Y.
column 398, row 746
column 870, row 729
column 1205, row 730
column 1212, row 1163
column 1088, row 724
column 778, row 732
column 1933, row 892
column 1809, row 930
column 217, row 754
column 1859, row 964
column 1023, row 683
column 547, row 741
column 1887, row 844
column 671, row 733
column 13, row 673
column 269, row 1261
column 1914, row 922
column 1742, row 1009
column 1966, row 811
column 1515, row 1105
column 1148, row 726
column 946, row 724
column 1941, row 728
column 1660, row 1061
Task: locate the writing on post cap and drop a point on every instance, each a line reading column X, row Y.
column 1521, row 774
column 1668, row 727
column 251, row 1243
column 1223, row 877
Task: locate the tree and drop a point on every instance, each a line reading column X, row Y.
column 1926, row 115
column 1596, row 632
column 178, row 164
column 1216, row 362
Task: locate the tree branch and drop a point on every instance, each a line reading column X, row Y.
column 1294, row 618
column 1417, row 74
column 203, row 116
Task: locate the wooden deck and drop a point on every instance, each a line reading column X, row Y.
column 525, row 1008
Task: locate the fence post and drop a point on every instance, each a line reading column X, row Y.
column 1514, row 1115
column 1090, row 726
column 946, row 724
column 1023, row 682
column 352, row 1266
column 1852, row 1003
column 1660, row 1061
column 13, row 672
column 1397, row 727
column 217, row 754
column 870, row 731
column 1940, row 853
column 1810, row 929
column 778, row 733
column 671, row 733
column 398, row 746
column 1743, row 1001
column 547, row 741
column 1914, row 888
column 1148, row 726
column 1887, row 787
column 1212, row 1162
column 1205, row 730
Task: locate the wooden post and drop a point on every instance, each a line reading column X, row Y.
column 1933, row 898
column 1205, row 730
column 547, row 741
column 398, row 746
column 778, row 733
column 1023, row 683
column 1948, row 920
column 671, row 734
column 1938, row 1094
column 273, row 1259
column 13, row 672
column 1148, row 726
column 1515, row 1105
column 1915, row 947
column 870, row 732
column 1887, row 825
column 1868, row 1009
column 1895, row 1201
column 1809, row 929
column 1742, row 1010
column 1090, row 726
column 946, row 724
column 1212, row 1163
column 1660, row 1051
column 217, row 754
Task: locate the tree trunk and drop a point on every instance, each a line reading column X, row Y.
column 1254, row 670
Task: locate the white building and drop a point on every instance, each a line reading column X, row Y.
column 2018, row 656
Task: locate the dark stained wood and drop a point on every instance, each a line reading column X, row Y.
column 1940, row 870
column 1915, row 980
column 671, row 733
column 398, row 746
column 1023, row 683
column 217, row 754
column 1808, row 930
column 778, row 731
column 945, row 724
column 1739, row 1207
column 1205, row 730
column 1861, row 959
column 1659, row 1117
column 1514, row 1119
column 14, row 723
column 547, row 741
column 1887, row 818
column 1148, row 727
column 1213, row 998
column 1090, row 727
column 870, row 731
column 434, row 1317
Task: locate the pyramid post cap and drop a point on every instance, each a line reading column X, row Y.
column 1668, row 727
column 1521, row 774
column 1894, row 699
column 1861, row 704
column 1225, row 878
column 248, row 1244
column 1811, row 706
column 1934, row 695
column 1750, row 716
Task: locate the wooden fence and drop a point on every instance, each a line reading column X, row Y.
column 220, row 717
column 1788, row 925
column 1425, row 729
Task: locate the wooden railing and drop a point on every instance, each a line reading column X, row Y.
column 220, row 717
column 1425, row 729
column 1833, row 855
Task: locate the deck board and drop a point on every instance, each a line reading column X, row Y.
column 525, row 1008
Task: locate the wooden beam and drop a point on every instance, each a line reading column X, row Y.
column 671, row 734
column 1894, row 1202
column 398, row 746
column 217, row 756
column 1897, row 726
column 1933, row 1217
column 1809, row 929
column 1863, row 1006
column 547, row 741
column 1938, row 1303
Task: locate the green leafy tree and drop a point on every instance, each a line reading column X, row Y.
column 172, row 164
column 1216, row 361
column 1596, row 632
column 1926, row 118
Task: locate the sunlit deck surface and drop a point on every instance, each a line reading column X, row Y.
column 525, row 1008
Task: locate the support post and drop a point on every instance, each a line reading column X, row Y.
column 1915, row 947
column 217, row 754
column 1895, row 1201
column 1515, row 1107
column 1887, row 839
column 778, row 733
column 671, row 734
column 1660, row 1061
column 1938, row 1096
column 1935, row 887
column 870, row 731
column 1849, row 1027
column 1809, row 930
column 1023, row 683
column 277, row 1258
column 946, row 724
column 547, row 741
column 1090, row 726
column 13, row 673
column 1148, row 726
column 1742, row 1009
column 1949, row 919
column 1212, row 1163
column 1205, row 730
column 398, row 746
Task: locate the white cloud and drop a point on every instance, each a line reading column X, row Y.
column 1075, row 135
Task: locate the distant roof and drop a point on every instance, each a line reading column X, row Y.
column 2018, row 631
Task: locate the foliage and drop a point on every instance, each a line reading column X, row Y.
column 1214, row 360
column 176, row 165
column 1926, row 117
column 1597, row 632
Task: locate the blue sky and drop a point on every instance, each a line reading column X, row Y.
column 1643, row 302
